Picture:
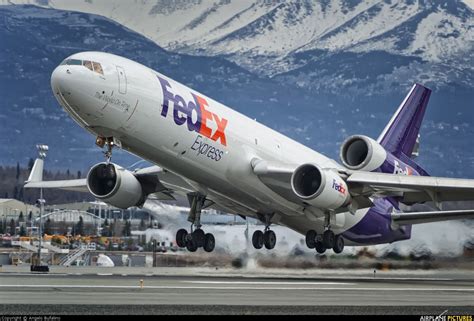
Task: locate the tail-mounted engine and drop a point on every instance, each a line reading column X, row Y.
column 362, row 153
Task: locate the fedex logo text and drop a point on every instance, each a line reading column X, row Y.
column 398, row 170
column 338, row 187
column 183, row 113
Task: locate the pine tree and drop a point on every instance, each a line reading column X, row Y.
column 21, row 218
column 142, row 225
column 30, row 216
column 47, row 227
column 2, row 228
column 12, row 227
column 31, row 162
column 17, row 171
column 127, row 229
column 22, row 230
column 80, row 226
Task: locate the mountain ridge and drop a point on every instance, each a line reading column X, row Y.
column 329, row 96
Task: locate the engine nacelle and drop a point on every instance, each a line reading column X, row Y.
column 362, row 153
column 322, row 188
column 115, row 186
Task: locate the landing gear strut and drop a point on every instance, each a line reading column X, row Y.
column 267, row 238
column 196, row 238
column 106, row 141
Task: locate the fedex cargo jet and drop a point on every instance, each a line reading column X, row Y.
column 218, row 158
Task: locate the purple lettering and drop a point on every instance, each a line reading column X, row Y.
column 179, row 110
column 197, row 125
column 167, row 96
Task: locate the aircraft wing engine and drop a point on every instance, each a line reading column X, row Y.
column 322, row 188
column 307, row 184
column 115, row 185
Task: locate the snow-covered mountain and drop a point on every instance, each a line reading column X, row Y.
column 315, row 71
column 266, row 35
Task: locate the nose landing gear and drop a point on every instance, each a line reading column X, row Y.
column 106, row 141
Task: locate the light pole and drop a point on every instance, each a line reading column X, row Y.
column 42, row 150
column 40, row 202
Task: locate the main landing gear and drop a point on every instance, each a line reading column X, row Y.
column 267, row 237
column 196, row 238
column 327, row 240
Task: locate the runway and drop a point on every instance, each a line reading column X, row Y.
column 236, row 294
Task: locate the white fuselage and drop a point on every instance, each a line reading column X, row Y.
column 128, row 102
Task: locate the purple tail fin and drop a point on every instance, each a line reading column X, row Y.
column 400, row 135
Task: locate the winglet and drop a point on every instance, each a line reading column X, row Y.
column 36, row 174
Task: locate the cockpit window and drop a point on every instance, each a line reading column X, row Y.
column 72, row 62
column 98, row 68
column 88, row 65
column 92, row 66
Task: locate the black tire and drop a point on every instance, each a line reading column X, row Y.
column 209, row 242
column 338, row 244
column 328, row 239
column 181, row 237
column 269, row 239
column 320, row 248
column 311, row 239
column 198, row 237
column 257, row 239
column 191, row 245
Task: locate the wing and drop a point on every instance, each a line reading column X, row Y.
column 77, row 185
column 167, row 185
column 411, row 189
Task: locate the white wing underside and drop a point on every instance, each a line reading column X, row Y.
column 363, row 186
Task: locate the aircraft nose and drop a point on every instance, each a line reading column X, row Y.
column 61, row 79
column 64, row 83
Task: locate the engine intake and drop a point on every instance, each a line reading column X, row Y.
column 362, row 153
column 115, row 185
column 322, row 188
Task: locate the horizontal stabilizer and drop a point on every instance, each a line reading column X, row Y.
column 428, row 217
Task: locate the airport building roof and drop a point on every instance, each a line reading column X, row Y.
column 11, row 208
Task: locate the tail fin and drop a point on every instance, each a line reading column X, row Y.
column 400, row 135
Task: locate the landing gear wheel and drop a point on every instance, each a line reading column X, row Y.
column 181, row 237
column 209, row 242
column 338, row 244
column 311, row 239
column 191, row 245
column 257, row 239
column 320, row 248
column 198, row 237
column 269, row 239
column 328, row 239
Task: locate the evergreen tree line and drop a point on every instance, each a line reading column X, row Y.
column 12, row 179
